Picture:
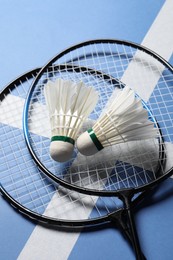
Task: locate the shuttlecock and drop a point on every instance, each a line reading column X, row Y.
column 124, row 120
column 69, row 104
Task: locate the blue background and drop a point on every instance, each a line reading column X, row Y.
column 32, row 32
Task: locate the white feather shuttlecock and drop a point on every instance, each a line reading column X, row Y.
column 124, row 120
column 69, row 104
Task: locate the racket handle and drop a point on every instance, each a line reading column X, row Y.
column 126, row 197
column 120, row 221
column 134, row 236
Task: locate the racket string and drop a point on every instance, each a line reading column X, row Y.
column 119, row 166
column 40, row 127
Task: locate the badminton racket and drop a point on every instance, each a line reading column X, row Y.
column 120, row 170
column 24, row 186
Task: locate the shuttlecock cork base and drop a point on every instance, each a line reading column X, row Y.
column 61, row 148
column 88, row 143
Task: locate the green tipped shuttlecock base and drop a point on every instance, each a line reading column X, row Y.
column 95, row 140
column 62, row 138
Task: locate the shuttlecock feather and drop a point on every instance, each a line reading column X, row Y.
column 124, row 120
column 69, row 104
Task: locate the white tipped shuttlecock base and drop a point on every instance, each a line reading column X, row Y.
column 88, row 144
column 61, row 151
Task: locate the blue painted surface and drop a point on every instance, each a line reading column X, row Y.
column 32, row 32
column 14, row 231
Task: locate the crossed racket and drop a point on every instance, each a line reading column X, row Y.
column 86, row 191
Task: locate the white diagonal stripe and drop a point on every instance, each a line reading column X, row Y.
column 159, row 39
column 60, row 243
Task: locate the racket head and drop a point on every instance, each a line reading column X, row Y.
column 129, row 166
column 25, row 187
